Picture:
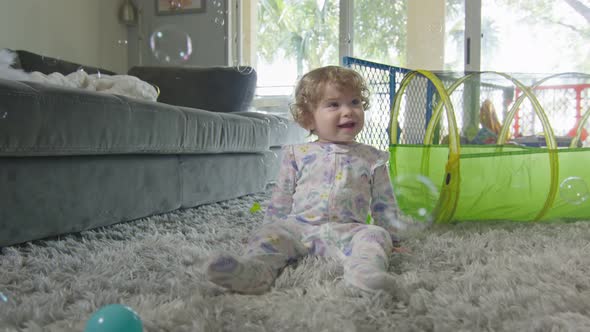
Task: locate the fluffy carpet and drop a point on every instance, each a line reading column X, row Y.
column 465, row 277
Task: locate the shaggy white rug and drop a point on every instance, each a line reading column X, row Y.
column 466, row 277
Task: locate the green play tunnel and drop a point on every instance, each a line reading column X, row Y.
column 489, row 182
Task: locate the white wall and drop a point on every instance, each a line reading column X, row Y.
column 83, row 31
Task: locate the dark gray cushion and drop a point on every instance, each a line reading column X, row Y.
column 30, row 62
column 282, row 129
column 42, row 197
column 48, row 120
column 218, row 89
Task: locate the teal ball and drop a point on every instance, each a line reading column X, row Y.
column 114, row 318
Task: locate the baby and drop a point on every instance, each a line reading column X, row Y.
column 324, row 192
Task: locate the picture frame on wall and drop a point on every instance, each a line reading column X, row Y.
column 176, row 7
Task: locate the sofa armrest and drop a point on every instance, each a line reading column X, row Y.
column 218, row 89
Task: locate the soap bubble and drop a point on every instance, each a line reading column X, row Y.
column 175, row 4
column 416, row 195
column 263, row 163
column 171, row 45
column 220, row 13
column 271, row 159
column 244, row 70
column 574, row 190
column 49, row 61
column 219, row 20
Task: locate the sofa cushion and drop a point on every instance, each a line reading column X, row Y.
column 30, row 62
column 218, row 89
column 46, row 120
column 283, row 130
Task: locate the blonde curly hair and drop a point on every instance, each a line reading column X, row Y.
column 489, row 118
column 310, row 90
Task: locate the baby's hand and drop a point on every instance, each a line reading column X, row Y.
column 401, row 250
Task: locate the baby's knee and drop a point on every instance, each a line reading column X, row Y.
column 374, row 234
column 271, row 233
column 276, row 239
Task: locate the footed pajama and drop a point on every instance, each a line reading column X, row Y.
column 363, row 249
column 322, row 197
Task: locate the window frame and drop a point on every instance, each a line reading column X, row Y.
column 241, row 38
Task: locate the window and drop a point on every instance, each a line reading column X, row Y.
column 290, row 37
column 379, row 30
column 544, row 36
column 294, row 36
column 539, row 38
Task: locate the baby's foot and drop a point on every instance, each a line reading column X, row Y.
column 240, row 274
column 372, row 280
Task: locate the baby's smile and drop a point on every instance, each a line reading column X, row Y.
column 347, row 125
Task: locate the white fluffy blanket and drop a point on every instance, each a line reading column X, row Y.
column 124, row 85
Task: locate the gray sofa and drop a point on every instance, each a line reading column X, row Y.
column 72, row 160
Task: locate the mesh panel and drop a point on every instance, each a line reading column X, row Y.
column 416, row 105
column 380, row 80
column 563, row 105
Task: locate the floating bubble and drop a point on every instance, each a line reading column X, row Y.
column 114, row 318
column 219, row 20
column 244, row 70
column 49, row 61
column 176, row 4
column 272, row 159
column 240, row 68
column 284, row 126
column 171, row 45
column 433, row 103
column 416, row 195
column 220, row 13
column 263, row 163
column 574, row 190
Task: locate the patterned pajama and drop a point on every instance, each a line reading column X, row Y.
column 320, row 204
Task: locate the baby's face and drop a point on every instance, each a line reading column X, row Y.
column 339, row 115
